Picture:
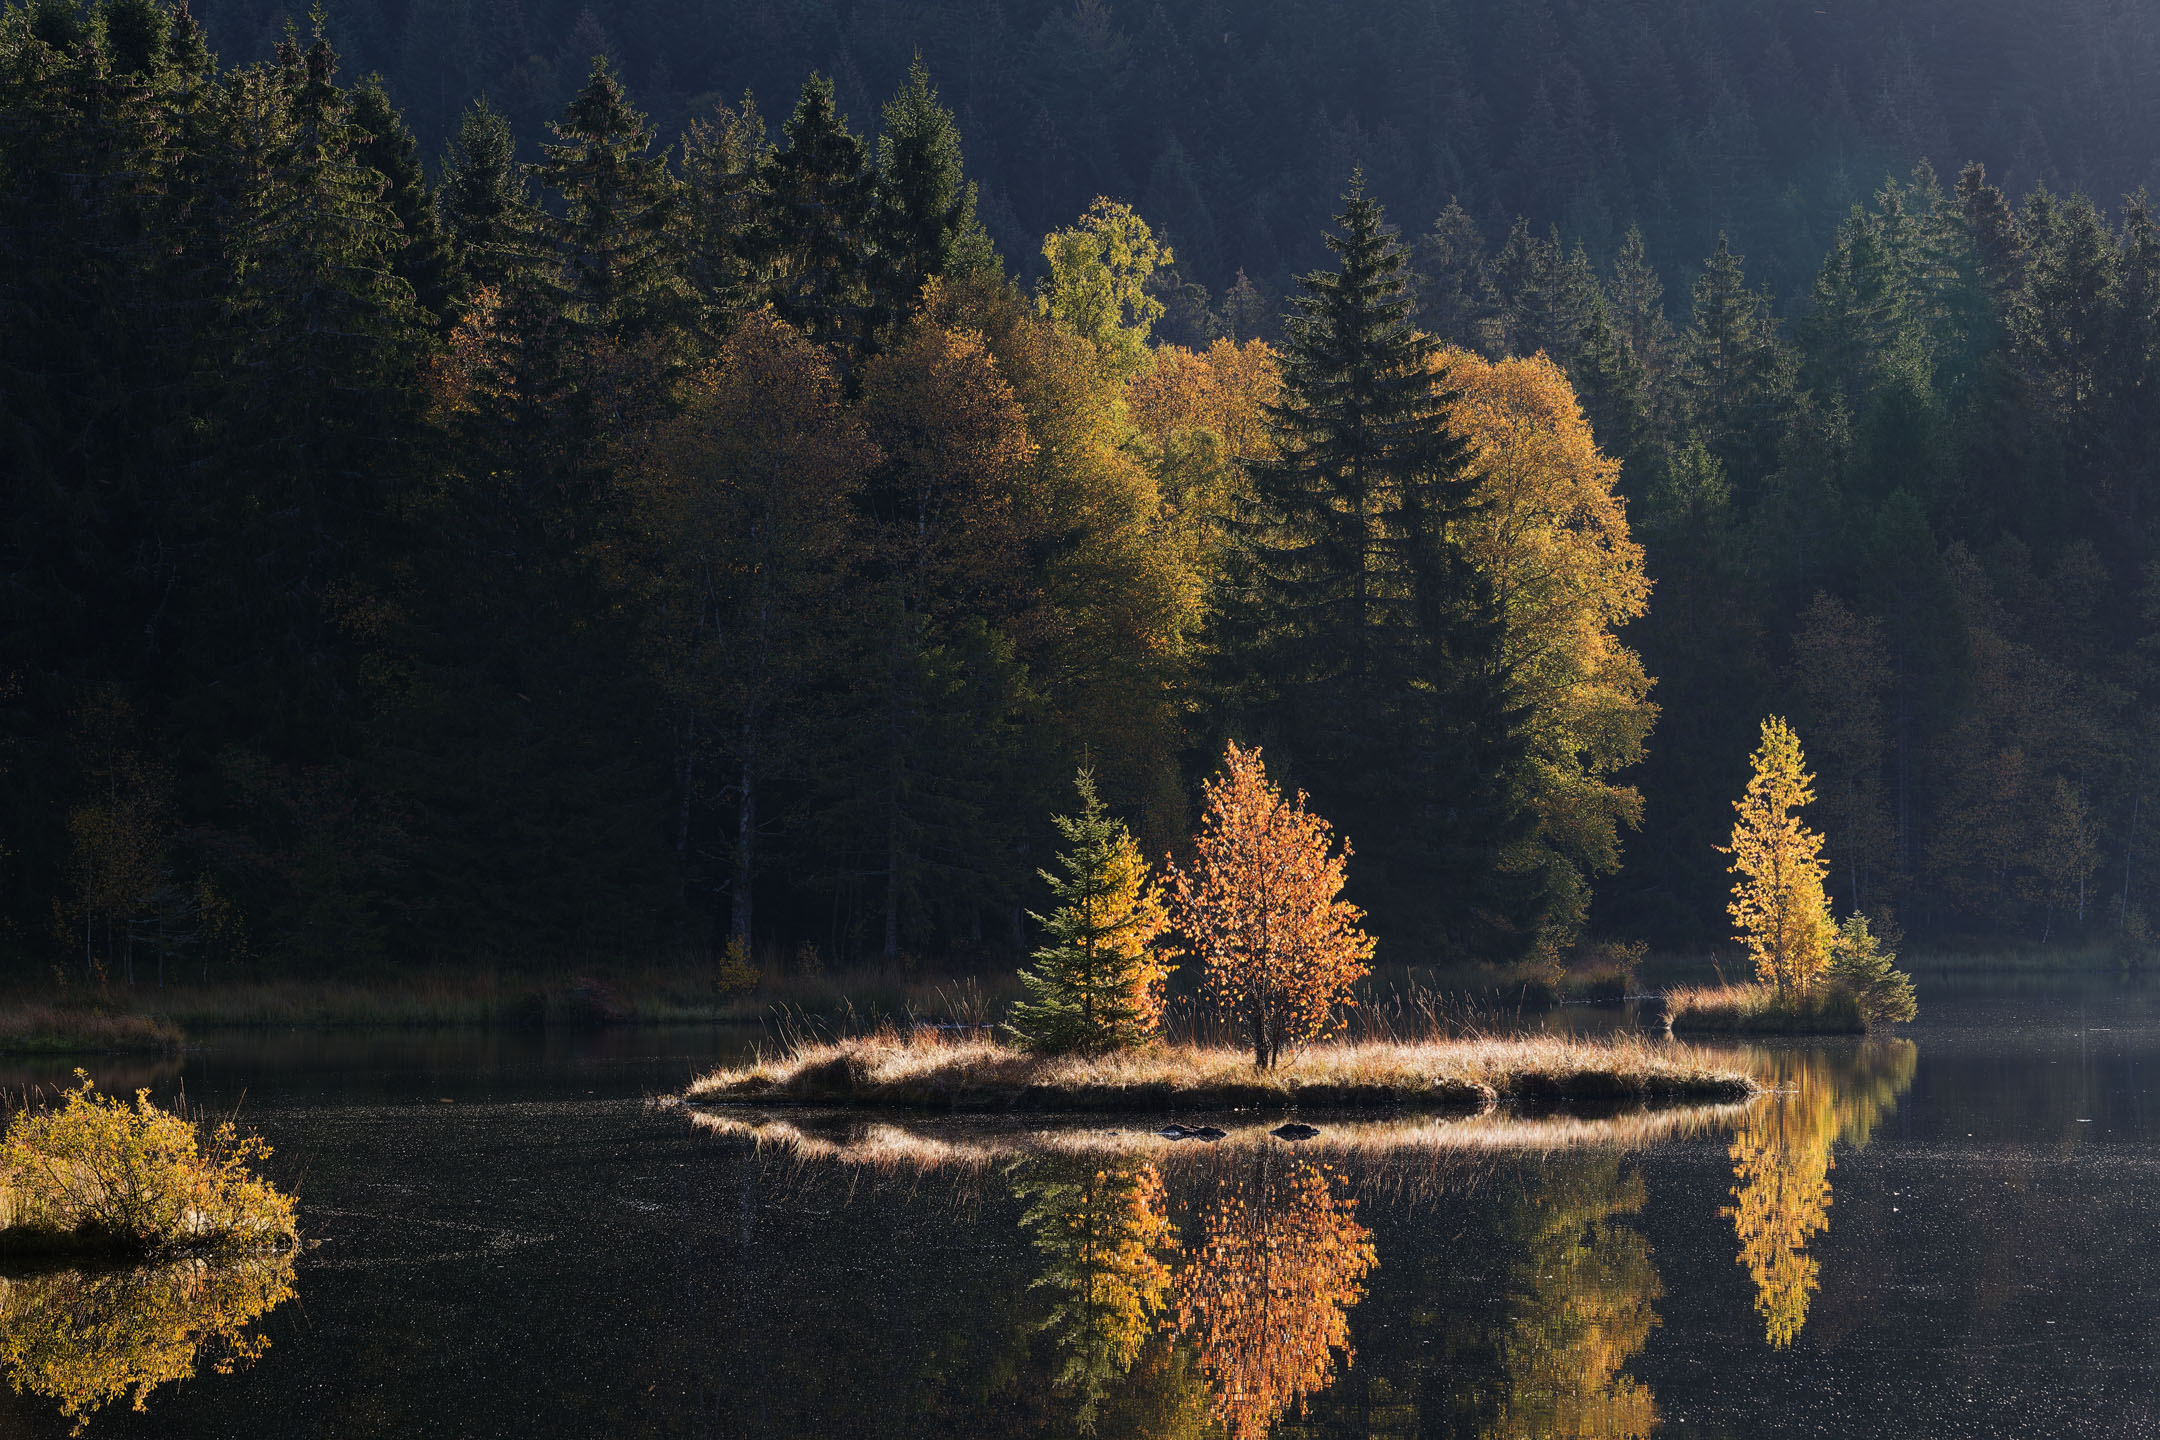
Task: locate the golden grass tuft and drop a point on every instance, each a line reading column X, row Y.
column 1761, row 1010
column 33, row 1029
column 928, row 1069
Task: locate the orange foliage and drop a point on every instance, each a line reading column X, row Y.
column 1226, row 389
column 1266, row 1297
column 1262, row 908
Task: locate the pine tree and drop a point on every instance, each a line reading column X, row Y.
column 816, row 242
column 1778, row 903
column 1098, row 984
column 485, row 204
column 1356, row 630
column 615, row 246
column 723, row 161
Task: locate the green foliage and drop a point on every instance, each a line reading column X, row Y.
column 1098, row 282
column 1859, row 962
column 1097, row 983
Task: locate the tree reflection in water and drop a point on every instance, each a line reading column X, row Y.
column 1253, row 1309
column 1782, row 1161
column 1265, row 1296
column 1103, row 1237
column 86, row 1338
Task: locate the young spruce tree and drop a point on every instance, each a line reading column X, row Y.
column 1098, row 984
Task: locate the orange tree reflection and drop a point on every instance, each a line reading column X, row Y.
column 1265, row 1295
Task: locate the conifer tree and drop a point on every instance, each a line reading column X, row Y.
column 1355, row 628
column 1098, row 984
column 1734, row 372
column 422, row 257
column 816, row 242
column 723, row 193
column 925, row 205
column 486, row 207
column 614, row 247
column 1778, row 902
column 1859, row 961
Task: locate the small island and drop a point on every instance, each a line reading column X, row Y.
column 1279, row 949
column 1814, row 975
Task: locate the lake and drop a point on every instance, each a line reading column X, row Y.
column 1956, row 1235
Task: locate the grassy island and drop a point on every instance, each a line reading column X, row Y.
column 69, row 1030
column 929, row 1071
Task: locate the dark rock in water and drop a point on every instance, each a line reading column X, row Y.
column 1293, row 1131
column 1191, row 1132
column 1172, row 1132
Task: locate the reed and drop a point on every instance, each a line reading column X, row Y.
column 1829, row 1009
column 35, row 1029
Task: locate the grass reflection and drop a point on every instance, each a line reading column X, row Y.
column 86, row 1338
column 1782, row 1159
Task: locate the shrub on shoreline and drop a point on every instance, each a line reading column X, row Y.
column 97, row 1173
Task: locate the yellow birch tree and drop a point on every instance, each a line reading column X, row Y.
column 1778, row 902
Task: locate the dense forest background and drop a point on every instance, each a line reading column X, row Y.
column 540, row 532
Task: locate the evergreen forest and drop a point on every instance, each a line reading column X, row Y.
column 492, row 484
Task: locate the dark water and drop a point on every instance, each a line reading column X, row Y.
column 1959, row 1236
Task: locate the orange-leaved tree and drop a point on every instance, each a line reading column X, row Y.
column 1778, row 901
column 1263, row 912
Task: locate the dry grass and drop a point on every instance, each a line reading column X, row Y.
column 888, row 1146
column 932, row 1070
column 34, row 1029
column 1761, row 1010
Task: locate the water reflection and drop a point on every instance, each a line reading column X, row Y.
column 86, row 1338
column 1103, row 1237
column 1782, row 1162
column 1266, row 1295
column 1581, row 1309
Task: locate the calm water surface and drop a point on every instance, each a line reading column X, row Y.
column 1955, row 1236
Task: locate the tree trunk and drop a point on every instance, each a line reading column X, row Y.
column 745, row 852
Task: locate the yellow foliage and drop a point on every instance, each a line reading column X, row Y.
column 1103, row 1238
column 135, row 1177
column 86, row 1339
column 1782, row 1162
column 1778, row 903
column 1552, row 537
column 1225, row 389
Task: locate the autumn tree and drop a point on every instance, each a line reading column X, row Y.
column 1098, row 984
column 1262, row 910
column 1098, row 281
column 1551, row 540
column 1778, row 902
column 1265, row 1294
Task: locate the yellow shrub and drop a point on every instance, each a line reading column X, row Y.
column 98, row 1170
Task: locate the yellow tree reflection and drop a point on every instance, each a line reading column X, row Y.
column 85, row 1339
column 1103, row 1237
column 1584, row 1308
column 1782, row 1162
column 1265, row 1297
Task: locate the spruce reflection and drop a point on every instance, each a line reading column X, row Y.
column 1782, row 1162
column 1253, row 1306
column 1103, row 1238
column 84, row 1339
